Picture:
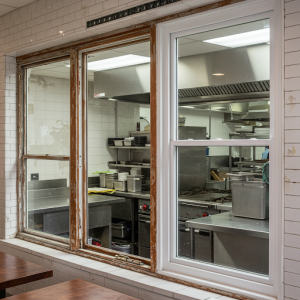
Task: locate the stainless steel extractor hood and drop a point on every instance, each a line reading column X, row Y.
column 246, row 79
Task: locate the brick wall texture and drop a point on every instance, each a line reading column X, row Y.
column 292, row 150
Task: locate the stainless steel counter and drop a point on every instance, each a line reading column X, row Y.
column 226, row 222
column 207, row 199
column 140, row 195
column 61, row 202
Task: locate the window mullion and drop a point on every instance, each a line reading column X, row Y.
column 74, row 150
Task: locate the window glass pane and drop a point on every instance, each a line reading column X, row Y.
column 48, row 192
column 223, row 206
column 48, row 109
column 118, row 145
column 223, row 79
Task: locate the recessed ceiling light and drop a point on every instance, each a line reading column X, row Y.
column 219, row 107
column 188, row 106
column 118, row 62
column 243, row 39
column 218, row 74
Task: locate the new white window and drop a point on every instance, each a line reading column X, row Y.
column 220, row 179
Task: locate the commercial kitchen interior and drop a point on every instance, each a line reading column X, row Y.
column 209, row 179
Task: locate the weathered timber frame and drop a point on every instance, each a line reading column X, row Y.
column 133, row 38
column 77, row 53
column 23, row 157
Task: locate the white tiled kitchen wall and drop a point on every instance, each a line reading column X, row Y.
column 107, row 119
column 101, row 125
column 292, row 151
column 48, row 115
column 48, row 119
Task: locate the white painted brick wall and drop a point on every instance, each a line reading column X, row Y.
column 8, row 142
column 292, row 151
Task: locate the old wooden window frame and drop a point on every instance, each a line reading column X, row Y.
column 134, row 38
column 75, row 51
column 77, row 158
column 22, row 150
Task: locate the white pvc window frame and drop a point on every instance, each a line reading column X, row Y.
column 236, row 281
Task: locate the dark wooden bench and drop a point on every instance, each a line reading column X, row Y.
column 74, row 290
column 15, row 271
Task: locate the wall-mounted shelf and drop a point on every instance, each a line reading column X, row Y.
column 129, row 166
column 129, row 147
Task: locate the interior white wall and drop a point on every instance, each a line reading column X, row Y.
column 48, row 116
column 48, row 125
column 107, row 119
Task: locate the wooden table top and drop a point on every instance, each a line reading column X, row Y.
column 76, row 289
column 15, row 271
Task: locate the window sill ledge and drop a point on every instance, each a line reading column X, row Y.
column 70, row 266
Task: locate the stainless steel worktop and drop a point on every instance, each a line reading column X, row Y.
column 140, row 195
column 226, row 222
column 61, row 202
column 207, row 199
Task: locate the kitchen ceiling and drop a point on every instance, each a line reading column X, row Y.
column 9, row 5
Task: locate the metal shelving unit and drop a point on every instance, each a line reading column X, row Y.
column 245, row 135
column 129, row 166
column 129, row 147
column 249, row 163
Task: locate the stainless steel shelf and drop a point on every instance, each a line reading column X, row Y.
column 130, row 166
column 249, row 163
column 129, row 147
column 250, row 135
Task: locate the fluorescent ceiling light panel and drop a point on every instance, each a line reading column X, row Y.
column 118, row 62
column 243, row 39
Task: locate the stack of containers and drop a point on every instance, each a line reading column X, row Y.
column 136, row 171
column 140, row 141
column 121, row 183
column 108, row 180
